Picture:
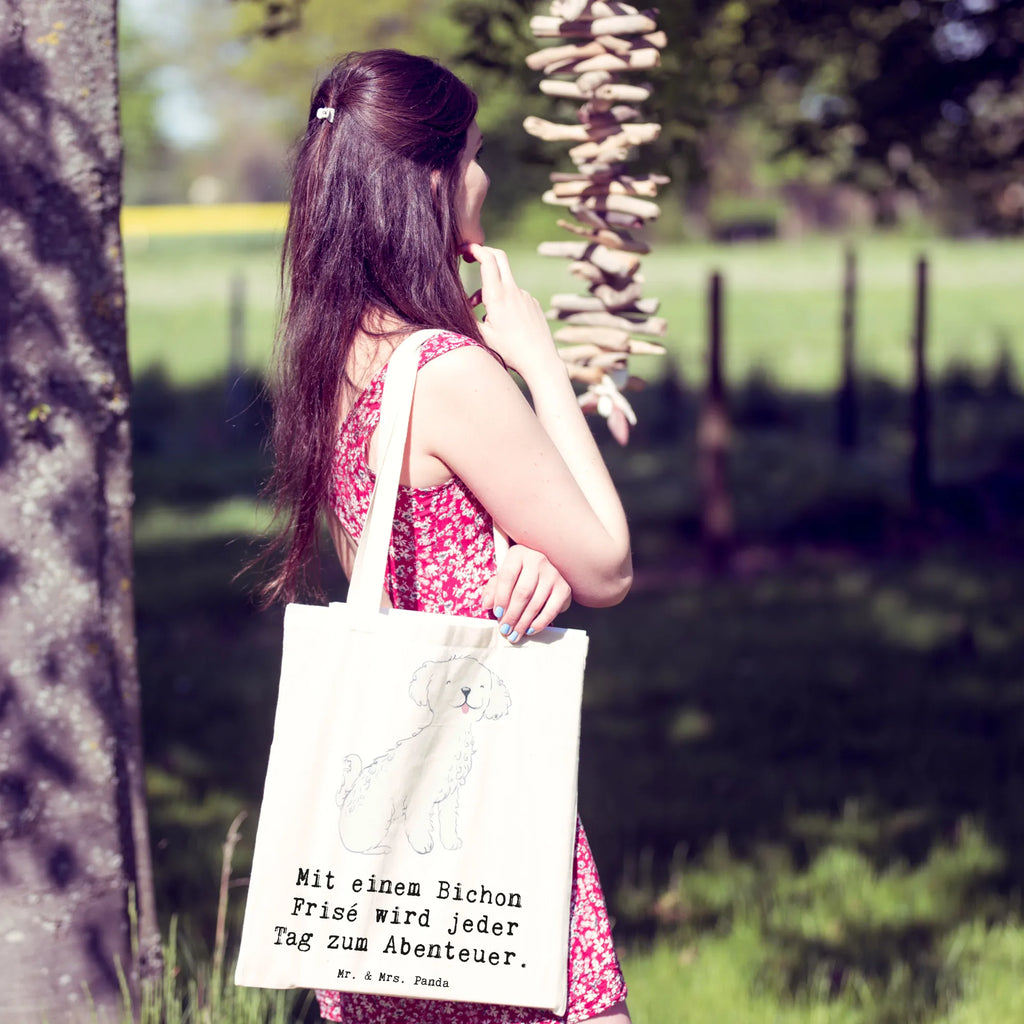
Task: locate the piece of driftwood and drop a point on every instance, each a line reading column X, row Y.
column 592, row 355
column 639, row 347
column 594, row 57
column 646, row 325
column 581, row 340
column 603, row 338
column 636, row 52
column 600, row 167
column 606, row 90
column 608, row 360
column 606, row 237
column 594, row 80
column 551, row 131
column 610, row 220
column 612, row 261
column 585, row 373
column 570, row 9
column 606, row 398
column 633, row 206
column 631, row 60
column 552, row 198
column 617, row 298
column 604, row 297
column 619, row 44
column 618, row 176
column 595, row 220
column 585, row 353
column 615, row 148
column 595, row 276
column 589, row 273
column 595, row 130
column 622, row 93
column 599, row 110
column 552, row 57
column 617, row 186
column 572, row 303
column 569, row 176
column 602, row 155
column 549, row 27
column 605, row 9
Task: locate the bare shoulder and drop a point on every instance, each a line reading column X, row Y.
column 462, row 358
column 467, row 401
column 462, row 373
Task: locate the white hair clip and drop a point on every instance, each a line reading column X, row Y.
column 325, row 114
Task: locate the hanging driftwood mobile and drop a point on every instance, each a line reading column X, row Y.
column 597, row 329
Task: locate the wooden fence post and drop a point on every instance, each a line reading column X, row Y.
column 236, row 327
column 920, row 412
column 239, row 389
column 713, row 442
column 846, row 409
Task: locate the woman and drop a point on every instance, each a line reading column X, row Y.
column 387, row 194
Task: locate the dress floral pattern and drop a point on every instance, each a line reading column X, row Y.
column 441, row 558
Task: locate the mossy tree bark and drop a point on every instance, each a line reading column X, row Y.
column 73, row 834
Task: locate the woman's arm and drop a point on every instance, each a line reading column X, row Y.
column 540, row 473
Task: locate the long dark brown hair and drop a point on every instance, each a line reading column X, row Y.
column 371, row 237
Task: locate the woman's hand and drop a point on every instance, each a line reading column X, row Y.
column 526, row 593
column 515, row 325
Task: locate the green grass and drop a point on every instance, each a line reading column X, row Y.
column 721, row 978
column 785, row 952
column 188, row 990
column 179, row 304
column 802, row 780
column 782, row 304
column 232, row 517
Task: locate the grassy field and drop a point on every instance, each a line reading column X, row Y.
column 803, row 780
column 782, row 304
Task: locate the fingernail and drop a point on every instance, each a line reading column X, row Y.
column 531, row 631
column 505, row 627
column 498, row 612
column 514, row 637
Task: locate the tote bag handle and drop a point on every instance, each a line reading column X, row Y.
column 370, row 566
column 368, row 570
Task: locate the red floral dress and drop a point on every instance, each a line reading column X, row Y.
column 441, row 558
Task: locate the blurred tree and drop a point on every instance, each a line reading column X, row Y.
column 255, row 63
column 150, row 160
column 286, row 42
column 284, row 65
column 927, row 94
column 278, row 16
column 73, row 835
column 888, row 95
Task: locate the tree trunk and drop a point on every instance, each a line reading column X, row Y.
column 920, row 409
column 846, row 409
column 73, row 835
column 713, row 442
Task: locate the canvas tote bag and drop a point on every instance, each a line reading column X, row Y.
column 416, row 836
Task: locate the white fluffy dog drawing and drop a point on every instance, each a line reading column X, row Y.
column 416, row 783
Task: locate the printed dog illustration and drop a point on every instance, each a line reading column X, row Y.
column 417, row 781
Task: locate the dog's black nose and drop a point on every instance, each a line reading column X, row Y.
column 465, row 691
